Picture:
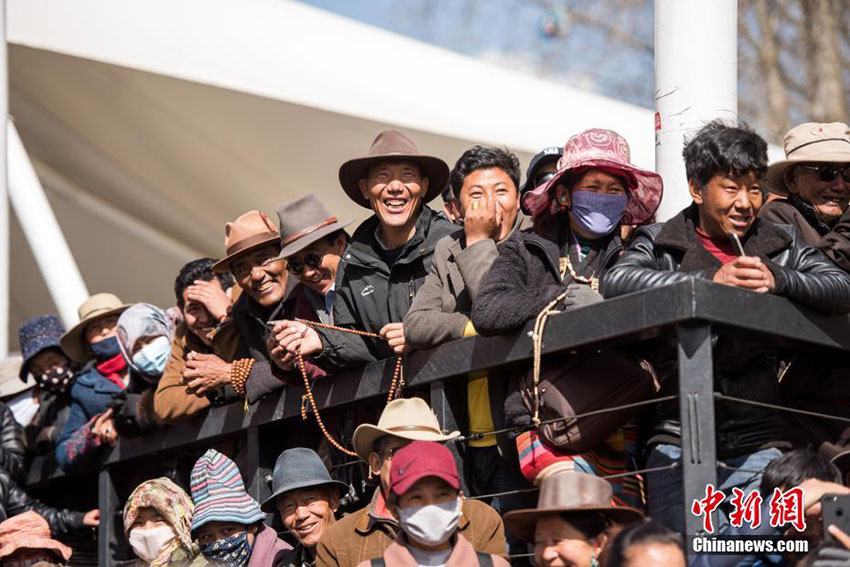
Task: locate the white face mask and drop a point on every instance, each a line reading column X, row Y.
column 430, row 525
column 149, row 544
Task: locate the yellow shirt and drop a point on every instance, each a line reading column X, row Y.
column 478, row 403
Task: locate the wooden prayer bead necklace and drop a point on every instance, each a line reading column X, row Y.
column 395, row 386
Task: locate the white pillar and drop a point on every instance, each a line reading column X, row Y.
column 696, row 80
column 4, row 201
column 42, row 231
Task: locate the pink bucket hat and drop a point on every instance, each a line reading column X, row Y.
column 608, row 151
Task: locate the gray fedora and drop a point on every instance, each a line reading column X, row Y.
column 303, row 222
column 299, row 468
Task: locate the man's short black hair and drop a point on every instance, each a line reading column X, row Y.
column 722, row 149
column 792, row 468
column 200, row 270
column 646, row 532
column 479, row 157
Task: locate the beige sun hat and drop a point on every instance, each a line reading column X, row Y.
column 409, row 418
column 811, row 142
column 97, row 306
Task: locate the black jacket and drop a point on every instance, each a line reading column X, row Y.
column 11, row 444
column 526, row 276
column 14, row 501
column 662, row 254
column 41, row 433
column 369, row 293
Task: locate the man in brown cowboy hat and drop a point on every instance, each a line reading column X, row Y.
column 814, row 183
column 388, row 257
column 367, row 533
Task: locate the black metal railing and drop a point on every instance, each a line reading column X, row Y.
column 694, row 311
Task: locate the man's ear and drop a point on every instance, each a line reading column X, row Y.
column 696, row 193
column 364, row 189
column 790, row 179
column 375, row 463
column 334, row 500
column 424, row 184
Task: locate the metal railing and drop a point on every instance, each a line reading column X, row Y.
column 694, row 311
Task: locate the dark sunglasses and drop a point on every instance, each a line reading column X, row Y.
column 543, row 178
column 311, row 259
column 830, row 172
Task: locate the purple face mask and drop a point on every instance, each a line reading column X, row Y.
column 597, row 214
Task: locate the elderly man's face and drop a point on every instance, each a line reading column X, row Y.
column 829, row 197
column 394, row 190
column 307, row 512
column 261, row 274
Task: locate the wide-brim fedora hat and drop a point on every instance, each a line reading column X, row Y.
column 248, row 232
column 811, row 142
column 96, row 307
column 296, row 469
column 392, row 145
column 608, row 151
column 566, row 493
column 407, row 418
column 304, row 221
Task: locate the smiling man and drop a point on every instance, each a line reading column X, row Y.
column 387, row 258
column 724, row 165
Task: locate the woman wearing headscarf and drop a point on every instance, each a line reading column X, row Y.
column 575, row 239
column 157, row 522
column 144, row 338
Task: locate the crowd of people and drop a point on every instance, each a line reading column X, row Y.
column 304, row 299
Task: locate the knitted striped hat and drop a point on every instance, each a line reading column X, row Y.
column 219, row 493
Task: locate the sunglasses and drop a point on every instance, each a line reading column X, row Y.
column 830, row 172
column 543, row 178
column 311, row 259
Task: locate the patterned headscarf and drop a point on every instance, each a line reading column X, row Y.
column 172, row 503
column 141, row 320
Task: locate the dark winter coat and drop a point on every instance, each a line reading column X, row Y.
column 41, row 433
column 14, row 501
column 663, row 254
column 11, row 444
column 371, row 294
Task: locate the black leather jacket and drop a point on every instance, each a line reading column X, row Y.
column 11, row 444
column 14, row 501
column 662, row 254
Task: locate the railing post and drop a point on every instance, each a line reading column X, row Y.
column 255, row 474
column 107, row 503
column 446, row 417
column 696, row 407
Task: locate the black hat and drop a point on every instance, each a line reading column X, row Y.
column 299, row 468
column 550, row 154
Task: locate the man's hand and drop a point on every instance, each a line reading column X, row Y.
column 482, row 219
column 746, row 272
column 205, row 372
column 211, row 296
column 290, row 336
column 813, row 492
column 393, row 333
column 92, row 518
column 579, row 295
column 104, row 427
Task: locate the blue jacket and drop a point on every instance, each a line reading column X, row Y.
column 90, row 395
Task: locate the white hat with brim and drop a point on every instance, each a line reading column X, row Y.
column 811, row 142
column 96, row 307
column 410, row 419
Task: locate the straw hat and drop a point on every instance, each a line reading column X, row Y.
column 569, row 492
column 409, row 418
column 393, row 145
column 96, row 307
column 303, row 222
column 811, row 142
column 29, row 531
column 251, row 230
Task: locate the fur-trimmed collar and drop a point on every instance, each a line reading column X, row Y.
column 764, row 240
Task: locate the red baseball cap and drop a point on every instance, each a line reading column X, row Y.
column 418, row 460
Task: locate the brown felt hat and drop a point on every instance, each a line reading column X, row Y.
column 566, row 493
column 811, row 142
column 251, row 230
column 393, row 145
column 303, row 222
column 97, row 306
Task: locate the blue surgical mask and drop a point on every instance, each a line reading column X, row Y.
column 597, row 214
column 105, row 349
column 151, row 359
column 233, row 551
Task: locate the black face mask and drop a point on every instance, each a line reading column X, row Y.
column 57, row 380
